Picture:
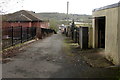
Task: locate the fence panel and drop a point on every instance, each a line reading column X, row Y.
column 6, row 39
column 15, row 35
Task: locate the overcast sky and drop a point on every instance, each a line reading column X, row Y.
column 75, row 6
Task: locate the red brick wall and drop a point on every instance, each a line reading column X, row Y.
column 26, row 24
column 5, row 24
column 44, row 25
column 23, row 24
column 35, row 24
column 40, row 24
column 14, row 24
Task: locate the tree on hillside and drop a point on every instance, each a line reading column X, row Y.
column 54, row 24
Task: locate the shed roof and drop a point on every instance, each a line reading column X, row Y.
column 107, row 7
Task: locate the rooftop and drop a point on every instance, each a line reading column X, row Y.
column 22, row 15
column 107, row 7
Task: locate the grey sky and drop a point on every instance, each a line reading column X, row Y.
column 75, row 6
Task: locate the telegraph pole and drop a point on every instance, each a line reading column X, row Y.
column 67, row 28
column 67, row 12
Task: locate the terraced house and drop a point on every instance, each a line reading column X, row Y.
column 106, row 31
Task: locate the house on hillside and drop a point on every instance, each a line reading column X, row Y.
column 106, row 31
column 25, row 19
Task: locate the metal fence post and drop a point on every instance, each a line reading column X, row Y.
column 21, row 33
column 12, row 36
column 27, row 33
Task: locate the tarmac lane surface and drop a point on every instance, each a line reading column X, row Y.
column 48, row 58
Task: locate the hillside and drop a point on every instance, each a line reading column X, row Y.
column 62, row 16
